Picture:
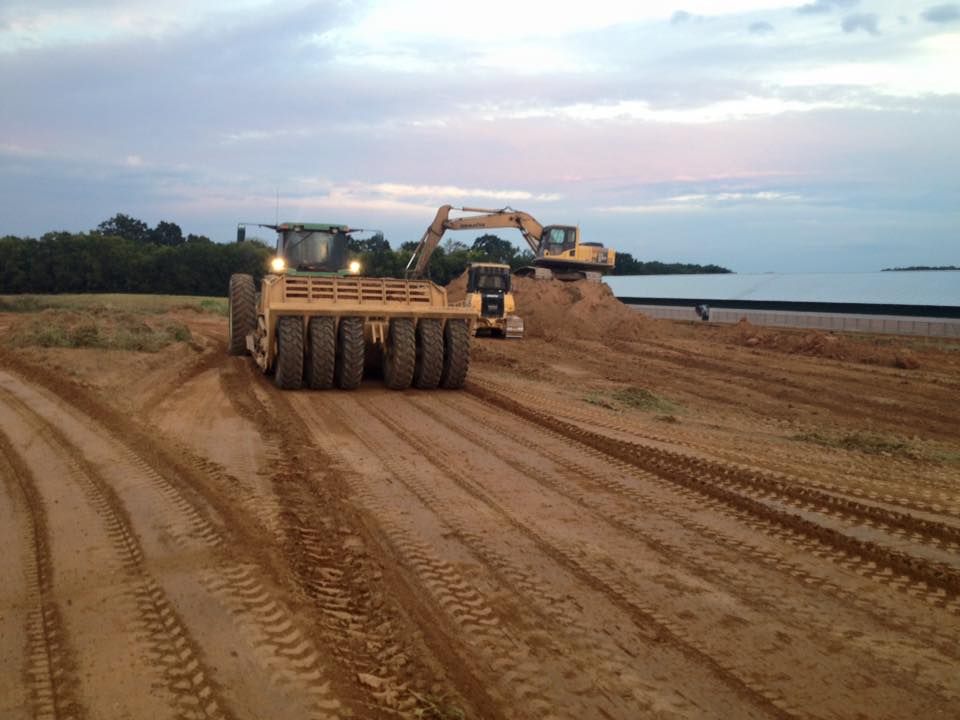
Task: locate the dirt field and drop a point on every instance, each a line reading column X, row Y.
column 647, row 520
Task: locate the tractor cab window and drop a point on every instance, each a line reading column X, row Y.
column 559, row 239
column 315, row 250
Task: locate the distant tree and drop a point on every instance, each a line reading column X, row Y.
column 921, row 267
column 126, row 227
column 490, row 248
column 167, row 233
column 625, row 264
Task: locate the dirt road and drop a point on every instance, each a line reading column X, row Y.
column 676, row 527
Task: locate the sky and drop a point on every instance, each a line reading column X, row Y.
column 759, row 135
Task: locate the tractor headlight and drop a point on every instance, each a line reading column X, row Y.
column 354, row 267
column 278, row 264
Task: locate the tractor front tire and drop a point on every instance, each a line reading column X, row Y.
column 399, row 354
column 243, row 312
column 429, row 354
column 350, row 353
column 289, row 368
column 456, row 354
column 321, row 352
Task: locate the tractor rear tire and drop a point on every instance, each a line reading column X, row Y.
column 429, row 354
column 350, row 353
column 321, row 352
column 399, row 354
column 289, row 368
column 243, row 312
column 456, row 354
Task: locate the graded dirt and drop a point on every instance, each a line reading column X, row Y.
column 619, row 518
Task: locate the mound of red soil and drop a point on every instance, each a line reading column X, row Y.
column 583, row 310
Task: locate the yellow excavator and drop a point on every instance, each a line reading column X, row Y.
column 558, row 253
column 557, row 250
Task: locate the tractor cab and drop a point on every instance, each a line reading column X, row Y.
column 311, row 248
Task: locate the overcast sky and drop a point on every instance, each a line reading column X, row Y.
column 756, row 134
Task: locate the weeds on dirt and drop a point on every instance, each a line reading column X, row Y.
column 859, row 441
column 437, row 709
column 104, row 330
column 634, row 398
column 144, row 304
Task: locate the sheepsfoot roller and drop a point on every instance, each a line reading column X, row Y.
column 319, row 328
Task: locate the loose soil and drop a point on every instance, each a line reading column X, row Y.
column 619, row 517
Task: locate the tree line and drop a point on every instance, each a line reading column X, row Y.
column 124, row 254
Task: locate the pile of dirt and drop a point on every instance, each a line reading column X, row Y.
column 583, row 310
column 816, row 343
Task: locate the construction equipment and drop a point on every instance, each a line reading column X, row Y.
column 318, row 322
column 557, row 249
column 489, row 294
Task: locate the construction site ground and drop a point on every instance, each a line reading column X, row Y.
column 618, row 518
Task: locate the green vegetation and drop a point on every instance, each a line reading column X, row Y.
column 146, row 304
column 634, row 398
column 627, row 265
column 124, row 255
column 101, row 328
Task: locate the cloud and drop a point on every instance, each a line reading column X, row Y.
column 861, row 21
column 942, row 13
column 698, row 202
column 818, row 7
column 760, row 28
column 680, row 17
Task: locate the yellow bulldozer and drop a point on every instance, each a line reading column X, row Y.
column 318, row 322
column 489, row 295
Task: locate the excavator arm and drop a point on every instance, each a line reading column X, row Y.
column 507, row 217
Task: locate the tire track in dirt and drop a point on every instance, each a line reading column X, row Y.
column 802, row 492
column 708, row 478
column 787, row 388
column 526, row 639
column 924, row 493
column 610, row 582
column 49, row 672
column 327, row 547
column 465, row 605
column 237, row 608
column 170, row 646
column 682, row 506
column 798, row 607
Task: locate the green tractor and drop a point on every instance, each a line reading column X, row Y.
column 317, row 322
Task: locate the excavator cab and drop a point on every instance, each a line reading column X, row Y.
column 558, row 240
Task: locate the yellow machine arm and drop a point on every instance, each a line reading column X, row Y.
column 505, row 218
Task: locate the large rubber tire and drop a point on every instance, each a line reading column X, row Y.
column 288, row 374
column 456, row 354
column 429, row 354
column 399, row 354
column 243, row 312
column 350, row 353
column 321, row 353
